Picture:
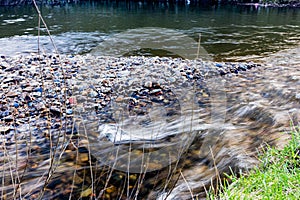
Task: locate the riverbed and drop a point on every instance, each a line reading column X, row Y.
column 86, row 121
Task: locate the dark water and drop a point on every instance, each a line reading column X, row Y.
column 227, row 32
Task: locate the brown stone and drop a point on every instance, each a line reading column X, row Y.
column 119, row 99
column 11, row 94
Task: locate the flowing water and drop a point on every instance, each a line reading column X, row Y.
column 185, row 146
column 227, row 32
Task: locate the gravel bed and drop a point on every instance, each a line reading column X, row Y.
column 54, row 106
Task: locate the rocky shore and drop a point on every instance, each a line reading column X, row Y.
column 50, row 102
column 37, row 85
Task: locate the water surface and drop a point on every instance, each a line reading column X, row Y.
column 227, row 32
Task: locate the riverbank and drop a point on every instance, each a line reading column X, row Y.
column 43, row 96
column 41, row 143
column 277, row 176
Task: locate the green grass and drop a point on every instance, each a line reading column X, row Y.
column 278, row 176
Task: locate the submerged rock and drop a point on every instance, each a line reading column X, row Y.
column 107, row 105
column 5, row 129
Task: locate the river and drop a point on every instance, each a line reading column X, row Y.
column 243, row 109
column 228, row 33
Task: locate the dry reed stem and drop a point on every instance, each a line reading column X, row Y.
column 187, row 184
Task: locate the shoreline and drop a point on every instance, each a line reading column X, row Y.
column 36, row 115
column 257, row 108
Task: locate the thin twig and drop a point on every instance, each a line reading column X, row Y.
column 44, row 23
column 199, row 41
column 187, row 184
column 219, row 181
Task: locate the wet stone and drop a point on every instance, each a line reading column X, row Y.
column 69, row 111
column 8, row 118
column 36, row 94
column 4, row 129
column 16, row 104
column 7, row 80
column 28, row 89
column 11, row 94
column 55, row 111
column 46, row 110
column 119, row 99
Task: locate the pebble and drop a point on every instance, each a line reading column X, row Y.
column 69, row 111
column 119, row 99
column 39, row 89
column 16, row 104
column 42, row 109
column 28, row 89
column 4, row 129
column 36, row 94
column 11, row 94
column 72, row 101
column 21, row 83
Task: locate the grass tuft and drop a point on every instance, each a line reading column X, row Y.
column 277, row 177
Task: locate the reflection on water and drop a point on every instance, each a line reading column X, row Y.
column 228, row 33
column 69, row 43
column 169, row 40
